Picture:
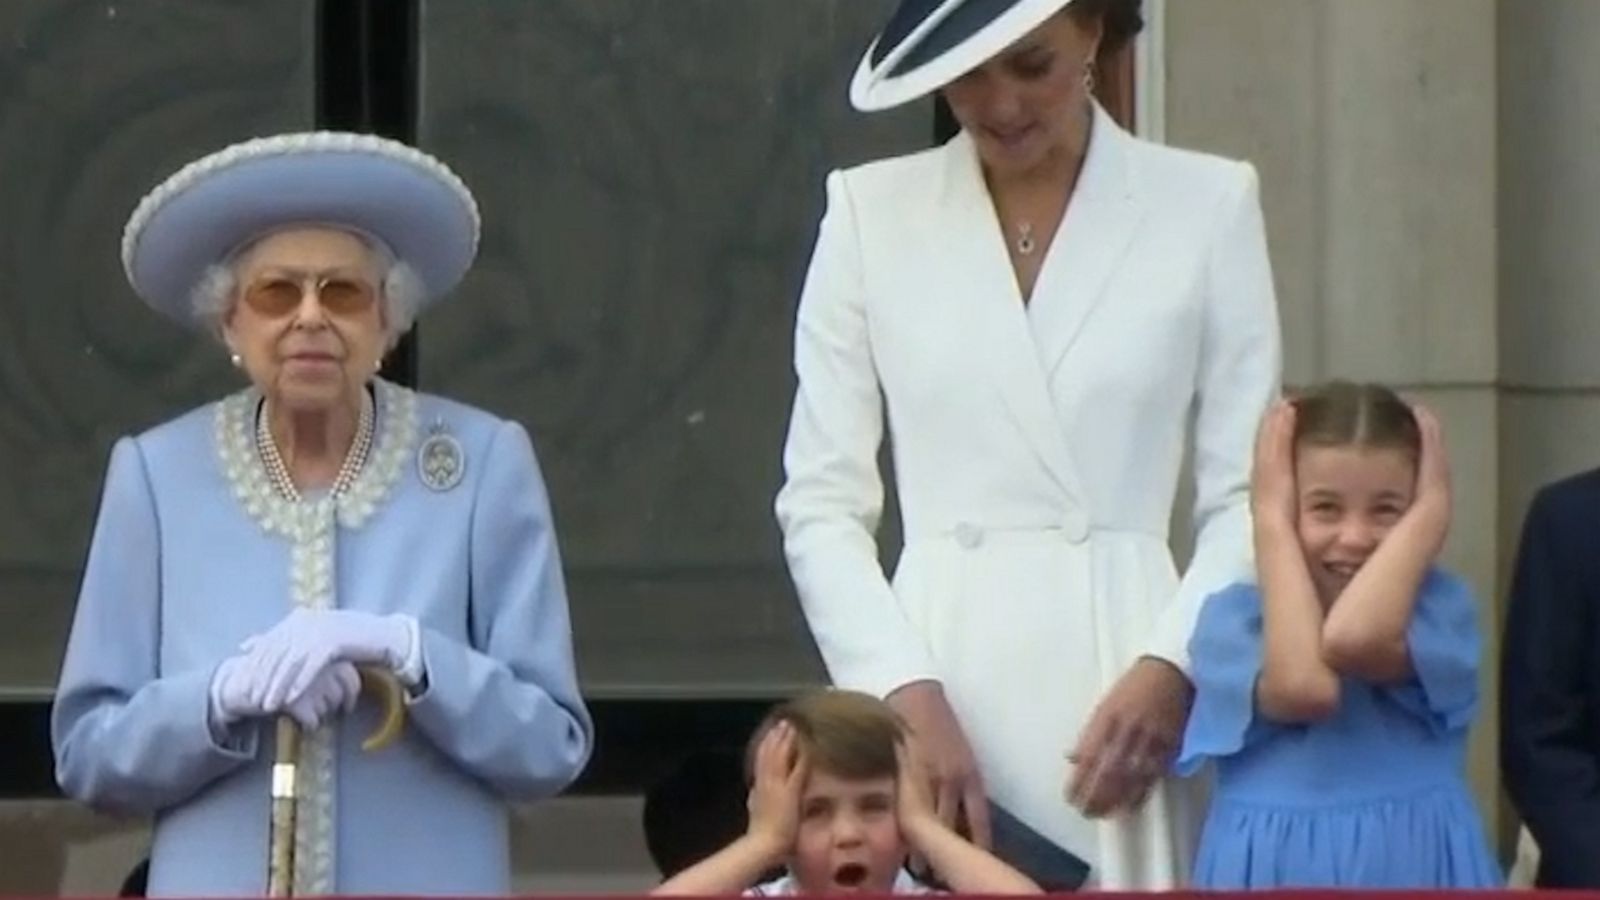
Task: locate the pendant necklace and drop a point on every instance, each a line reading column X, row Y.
column 1025, row 242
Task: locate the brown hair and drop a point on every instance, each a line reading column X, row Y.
column 1120, row 20
column 847, row 734
column 1345, row 414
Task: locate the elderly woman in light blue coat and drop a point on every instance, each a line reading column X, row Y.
column 250, row 554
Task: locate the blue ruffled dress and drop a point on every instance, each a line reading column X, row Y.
column 1372, row 797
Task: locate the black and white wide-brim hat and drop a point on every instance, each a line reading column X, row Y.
column 383, row 189
column 929, row 43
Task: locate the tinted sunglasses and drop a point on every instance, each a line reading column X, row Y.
column 279, row 295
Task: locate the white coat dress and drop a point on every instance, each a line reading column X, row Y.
column 1037, row 451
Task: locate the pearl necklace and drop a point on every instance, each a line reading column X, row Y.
column 354, row 461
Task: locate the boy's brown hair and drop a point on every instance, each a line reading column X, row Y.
column 846, row 734
column 1346, row 414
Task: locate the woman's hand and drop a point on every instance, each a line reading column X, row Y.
column 913, row 797
column 1273, row 499
column 241, row 680
column 1131, row 739
column 294, row 652
column 957, row 785
column 334, row 690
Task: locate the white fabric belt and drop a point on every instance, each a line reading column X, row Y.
column 971, row 535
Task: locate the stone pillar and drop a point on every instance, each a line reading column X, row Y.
column 1549, row 252
column 1373, row 124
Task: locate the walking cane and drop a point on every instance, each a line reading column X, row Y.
column 286, row 759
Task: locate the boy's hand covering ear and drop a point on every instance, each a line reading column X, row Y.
column 779, row 781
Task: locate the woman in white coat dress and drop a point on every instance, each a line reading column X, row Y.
column 1047, row 310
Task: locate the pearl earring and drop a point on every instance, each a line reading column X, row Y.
column 236, row 360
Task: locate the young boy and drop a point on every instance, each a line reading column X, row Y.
column 837, row 796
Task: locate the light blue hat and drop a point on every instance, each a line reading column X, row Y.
column 209, row 209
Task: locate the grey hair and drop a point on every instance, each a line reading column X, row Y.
column 401, row 290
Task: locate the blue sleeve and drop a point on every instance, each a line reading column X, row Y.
column 128, row 737
column 1225, row 660
column 1444, row 645
column 507, row 709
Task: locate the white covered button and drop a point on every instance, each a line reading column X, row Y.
column 968, row 535
column 1076, row 527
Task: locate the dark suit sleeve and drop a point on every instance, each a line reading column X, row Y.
column 1551, row 766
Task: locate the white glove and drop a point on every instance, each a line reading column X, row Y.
column 293, row 653
column 335, row 689
column 233, row 686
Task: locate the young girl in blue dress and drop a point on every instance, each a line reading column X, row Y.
column 1335, row 694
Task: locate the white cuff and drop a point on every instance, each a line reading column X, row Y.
column 412, row 668
column 224, row 729
column 216, row 722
